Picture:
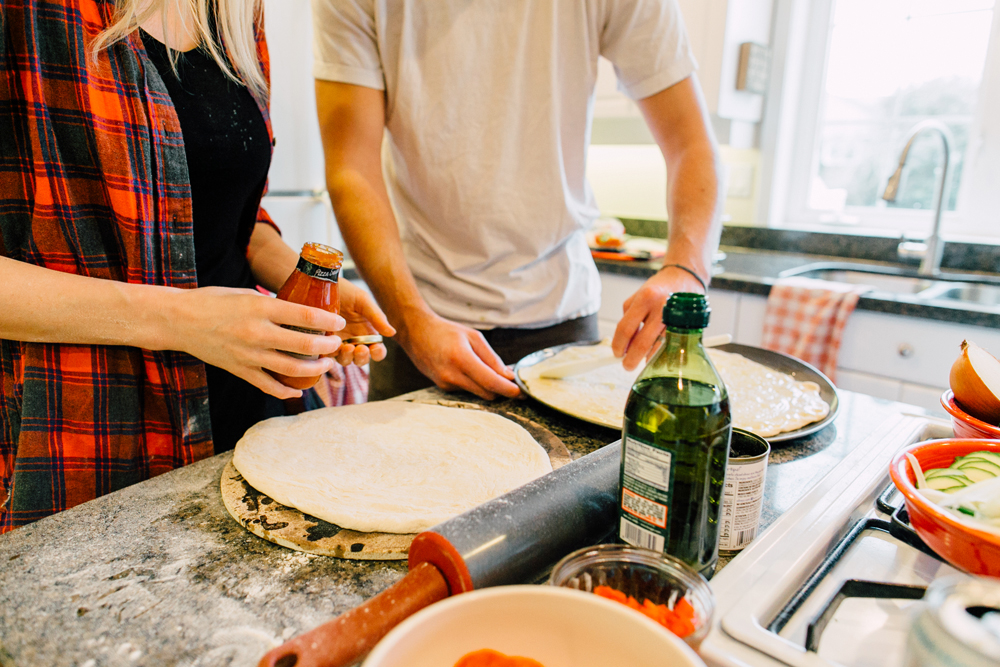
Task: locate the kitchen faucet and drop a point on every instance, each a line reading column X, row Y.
column 930, row 252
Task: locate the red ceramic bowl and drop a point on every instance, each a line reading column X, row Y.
column 963, row 546
column 964, row 424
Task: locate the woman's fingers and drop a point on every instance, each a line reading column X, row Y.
column 269, row 385
column 304, row 317
column 286, row 364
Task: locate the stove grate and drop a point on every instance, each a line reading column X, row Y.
column 898, row 526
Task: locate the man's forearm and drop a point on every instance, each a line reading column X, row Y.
column 372, row 237
column 679, row 122
column 352, row 122
column 694, row 203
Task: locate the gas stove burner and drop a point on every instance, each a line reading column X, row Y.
column 857, row 588
column 843, row 564
column 901, row 531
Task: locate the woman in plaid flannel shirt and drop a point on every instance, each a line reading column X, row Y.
column 104, row 331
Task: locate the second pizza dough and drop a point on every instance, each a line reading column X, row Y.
column 389, row 466
column 763, row 401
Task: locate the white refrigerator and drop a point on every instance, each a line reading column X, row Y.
column 296, row 198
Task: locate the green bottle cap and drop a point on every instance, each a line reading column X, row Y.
column 686, row 310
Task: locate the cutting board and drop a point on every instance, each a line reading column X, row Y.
column 287, row 526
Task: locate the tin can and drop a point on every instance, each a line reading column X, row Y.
column 957, row 625
column 743, row 494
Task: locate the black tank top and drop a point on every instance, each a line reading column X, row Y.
column 228, row 156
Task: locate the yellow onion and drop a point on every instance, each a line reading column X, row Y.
column 975, row 379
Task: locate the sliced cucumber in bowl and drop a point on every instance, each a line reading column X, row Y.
column 964, row 471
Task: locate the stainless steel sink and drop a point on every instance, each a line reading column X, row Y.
column 887, row 280
column 952, row 288
column 983, row 295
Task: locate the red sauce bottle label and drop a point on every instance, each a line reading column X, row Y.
column 312, row 283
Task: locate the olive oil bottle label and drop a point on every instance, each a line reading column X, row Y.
column 646, row 489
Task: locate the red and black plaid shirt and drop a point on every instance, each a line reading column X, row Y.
column 93, row 181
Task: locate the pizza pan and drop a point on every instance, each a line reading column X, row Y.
column 783, row 363
column 265, row 517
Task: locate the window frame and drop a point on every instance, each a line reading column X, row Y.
column 790, row 139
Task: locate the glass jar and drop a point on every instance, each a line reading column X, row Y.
column 642, row 574
column 958, row 624
column 312, row 283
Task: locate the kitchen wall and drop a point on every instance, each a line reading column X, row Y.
column 629, row 181
column 625, row 167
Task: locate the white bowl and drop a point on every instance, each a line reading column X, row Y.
column 558, row 627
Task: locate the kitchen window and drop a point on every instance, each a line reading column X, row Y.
column 851, row 78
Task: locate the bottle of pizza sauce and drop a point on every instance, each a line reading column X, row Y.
column 312, row 283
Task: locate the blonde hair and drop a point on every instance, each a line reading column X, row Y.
column 232, row 44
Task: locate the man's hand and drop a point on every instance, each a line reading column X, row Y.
column 363, row 318
column 456, row 357
column 642, row 315
column 678, row 120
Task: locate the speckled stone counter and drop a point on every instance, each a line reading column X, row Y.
column 159, row 574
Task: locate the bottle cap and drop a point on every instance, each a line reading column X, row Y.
column 686, row 310
column 322, row 255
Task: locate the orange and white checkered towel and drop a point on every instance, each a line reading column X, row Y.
column 344, row 385
column 805, row 318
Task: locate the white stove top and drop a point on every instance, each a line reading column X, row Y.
column 757, row 587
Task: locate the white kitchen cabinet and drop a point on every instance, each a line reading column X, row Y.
column 906, row 348
column 749, row 329
column 873, row 385
column 915, row 353
column 894, row 357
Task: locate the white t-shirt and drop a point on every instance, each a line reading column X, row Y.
column 488, row 112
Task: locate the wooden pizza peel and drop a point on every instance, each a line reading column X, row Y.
column 265, row 517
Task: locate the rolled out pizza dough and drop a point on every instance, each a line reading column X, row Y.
column 764, row 401
column 388, row 466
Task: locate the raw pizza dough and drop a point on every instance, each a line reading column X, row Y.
column 763, row 401
column 388, row 466
column 599, row 394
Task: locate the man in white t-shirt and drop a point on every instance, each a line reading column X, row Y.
column 475, row 232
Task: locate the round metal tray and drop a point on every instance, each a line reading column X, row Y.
column 783, row 363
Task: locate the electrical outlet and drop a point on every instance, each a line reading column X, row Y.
column 740, row 181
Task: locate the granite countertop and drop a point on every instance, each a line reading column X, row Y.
column 160, row 574
column 754, row 270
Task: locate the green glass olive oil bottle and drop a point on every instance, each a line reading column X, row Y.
column 675, row 444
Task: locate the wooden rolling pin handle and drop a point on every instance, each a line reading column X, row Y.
column 345, row 639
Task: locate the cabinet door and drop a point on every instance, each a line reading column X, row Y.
column 928, row 398
column 865, row 383
column 614, row 290
column 750, row 320
column 725, row 306
column 910, row 349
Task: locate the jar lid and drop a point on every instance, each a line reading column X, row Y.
column 686, row 310
column 322, row 255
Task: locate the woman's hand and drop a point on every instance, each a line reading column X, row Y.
column 241, row 331
column 363, row 317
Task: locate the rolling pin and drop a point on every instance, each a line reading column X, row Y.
column 508, row 540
